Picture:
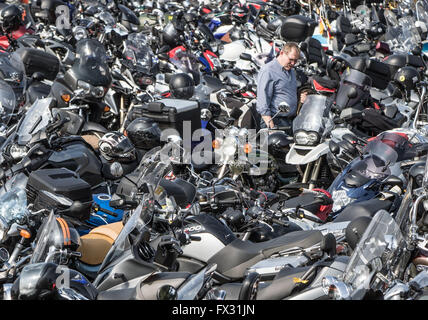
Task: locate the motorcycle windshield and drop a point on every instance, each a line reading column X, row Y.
column 375, row 249
column 312, row 114
column 35, row 120
column 383, row 151
column 370, row 168
column 91, row 48
column 45, row 237
column 422, row 11
column 13, row 71
column 7, row 102
column 152, row 171
column 410, row 35
column 139, row 53
column 193, row 285
column 107, row 18
column 187, row 63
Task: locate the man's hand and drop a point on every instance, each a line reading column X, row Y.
column 303, row 96
column 268, row 121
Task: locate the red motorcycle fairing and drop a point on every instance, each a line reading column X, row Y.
column 4, row 41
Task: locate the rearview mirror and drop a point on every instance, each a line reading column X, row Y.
column 245, row 56
column 284, row 107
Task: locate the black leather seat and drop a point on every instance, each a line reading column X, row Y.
column 233, row 260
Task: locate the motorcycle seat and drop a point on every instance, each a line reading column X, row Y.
column 95, row 245
column 233, row 260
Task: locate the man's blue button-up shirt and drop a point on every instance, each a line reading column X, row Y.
column 276, row 85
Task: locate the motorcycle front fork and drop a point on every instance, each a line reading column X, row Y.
column 312, row 172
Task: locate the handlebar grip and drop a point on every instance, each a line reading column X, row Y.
column 285, row 128
column 281, row 223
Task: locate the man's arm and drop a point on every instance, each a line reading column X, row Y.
column 264, row 96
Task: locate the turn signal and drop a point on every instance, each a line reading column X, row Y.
column 216, row 144
column 66, row 97
column 248, row 148
column 106, row 109
column 25, row 234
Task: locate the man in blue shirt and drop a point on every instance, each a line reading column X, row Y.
column 276, row 83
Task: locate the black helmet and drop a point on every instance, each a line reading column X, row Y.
column 144, row 133
column 355, row 230
column 170, row 35
column 181, row 86
column 240, row 13
column 407, row 77
column 278, row 143
column 10, row 18
column 115, row 146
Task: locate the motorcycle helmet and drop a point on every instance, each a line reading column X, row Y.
column 240, row 14
column 407, row 78
column 10, row 18
column 181, row 86
column 144, row 133
column 115, row 146
column 278, row 143
column 170, row 35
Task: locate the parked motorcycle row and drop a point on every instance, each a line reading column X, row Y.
column 133, row 165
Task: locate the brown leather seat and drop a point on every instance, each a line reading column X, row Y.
column 95, row 245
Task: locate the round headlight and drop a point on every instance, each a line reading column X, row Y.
column 220, row 49
column 206, row 115
column 98, row 92
column 17, row 152
column 306, row 138
column 229, row 147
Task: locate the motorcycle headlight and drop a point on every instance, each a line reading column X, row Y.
column 79, row 33
column 306, row 138
column 17, row 152
column 229, row 147
column 340, row 200
column 96, row 92
column 220, row 49
column 206, row 115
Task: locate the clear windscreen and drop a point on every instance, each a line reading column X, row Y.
column 382, row 151
column 311, row 114
column 153, row 168
column 7, row 102
column 107, row 18
column 36, row 119
column 45, row 237
column 139, row 52
column 187, row 63
column 377, row 245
